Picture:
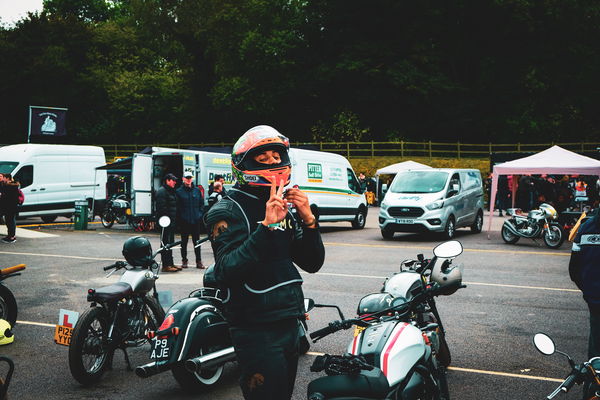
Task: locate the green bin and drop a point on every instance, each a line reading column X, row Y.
column 80, row 218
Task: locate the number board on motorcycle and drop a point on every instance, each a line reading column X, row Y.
column 404, row 221
column 160, row 349
column 64, row 329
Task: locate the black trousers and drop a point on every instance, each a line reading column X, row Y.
column 188, row 229
column 268, row 359
column 11, row 223
column 167, row 236
column 594, row 341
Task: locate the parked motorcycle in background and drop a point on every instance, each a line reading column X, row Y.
column 396, row 351
column 586, row 373
column 540, row 223
column 118, row 210
column 8, row 304
column 121, row 314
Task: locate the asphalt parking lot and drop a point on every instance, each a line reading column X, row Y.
column 513, row 291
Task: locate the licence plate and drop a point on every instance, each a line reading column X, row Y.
column 404, row 221
column 160, row 349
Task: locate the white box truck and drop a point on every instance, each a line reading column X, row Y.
column 148, row 171
column 331, row 186
column 53, row 177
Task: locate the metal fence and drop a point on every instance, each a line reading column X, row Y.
column 383, row 149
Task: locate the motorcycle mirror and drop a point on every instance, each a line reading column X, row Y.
column 164, row 221
column 448, row 249
column 309, row 304
column 544, row 344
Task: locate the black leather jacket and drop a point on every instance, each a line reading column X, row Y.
column 256, row 264
column 584, row 265
column 166, row 202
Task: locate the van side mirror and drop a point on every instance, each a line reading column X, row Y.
column 384, row 188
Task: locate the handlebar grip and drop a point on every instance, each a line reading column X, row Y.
column 170, row 245
column 117, row 265
column 569, row 382
column 320, row 333
column 13, row 269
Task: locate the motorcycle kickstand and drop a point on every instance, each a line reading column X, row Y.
column 129, row 368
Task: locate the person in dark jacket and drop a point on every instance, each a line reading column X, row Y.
column 9, row 200
column 166, row 204
column 190, row 206
column 257, row 244
column 584, row 270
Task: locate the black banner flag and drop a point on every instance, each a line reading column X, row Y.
column 47, row 121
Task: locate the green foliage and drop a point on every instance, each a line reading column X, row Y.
column 343, row 127
column 202, row 70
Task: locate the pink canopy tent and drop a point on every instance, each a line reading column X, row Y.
column 554, row 160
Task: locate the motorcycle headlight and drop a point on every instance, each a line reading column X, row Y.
column 435, row 205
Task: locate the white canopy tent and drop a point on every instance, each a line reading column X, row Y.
column 401, row 166
column 554, row 160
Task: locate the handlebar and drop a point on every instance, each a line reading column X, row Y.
column 200, row 241
column 117, row 265
column 573, row 378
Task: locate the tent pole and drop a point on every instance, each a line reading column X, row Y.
column 492, row 201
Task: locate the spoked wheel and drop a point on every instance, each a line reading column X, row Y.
column 8, row 306
column 508, row 236
column 89, row 352
column 554, row 237
column 195, row 382
column 153, row 315
column 137, row 224
column 107, row 218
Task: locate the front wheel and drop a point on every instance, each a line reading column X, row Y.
column 508, row 236
column 89, row 352
column 107, row 218
column 554, row 236
column 478, row 223
column 8, row 306
column 387, row 234
column 360, row 219
column 197, row 382
column 450, row 229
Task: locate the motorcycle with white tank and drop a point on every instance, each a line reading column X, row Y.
column 586, row 373
column 397, row 350
column 120, row 315
column 540, row 223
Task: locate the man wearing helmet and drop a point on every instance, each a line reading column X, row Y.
column 256, row 242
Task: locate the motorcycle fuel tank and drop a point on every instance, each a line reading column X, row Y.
column 402, row 284
column 140, row 280
column 395, row 347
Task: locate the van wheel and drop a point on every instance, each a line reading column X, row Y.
column 450, row 229
column 48, row 219
column 478, row 223
column 387, row 234
column 360, row 220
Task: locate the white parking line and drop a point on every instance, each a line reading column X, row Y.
column 482, row 371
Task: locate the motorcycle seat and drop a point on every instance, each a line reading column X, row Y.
column 366, row 385
column 112, row 292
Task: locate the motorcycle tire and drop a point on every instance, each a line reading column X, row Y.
column 107, row 219
column 442, row 381
column 557, row 240
column 89, row 352
column 508, row 236
column 156, row 315
column 8, row 306
column 198, row 382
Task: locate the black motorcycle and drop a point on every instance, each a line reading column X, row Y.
column 118, row 210
column 540, row 223
column 120, row 316
column 586, row 373
column 8, row 304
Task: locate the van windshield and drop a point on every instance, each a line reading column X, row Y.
column 7, row 167
column 419, row 182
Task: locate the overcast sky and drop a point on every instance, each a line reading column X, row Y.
column 13, row 10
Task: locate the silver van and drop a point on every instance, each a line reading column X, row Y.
column 433, row 200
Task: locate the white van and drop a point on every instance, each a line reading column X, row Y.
column 53, row 176
column 148, row 171
column 331, row 186
column 435, row 200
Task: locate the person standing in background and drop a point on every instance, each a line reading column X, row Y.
column 9, row 200
column 190, row 209
column 166, row 204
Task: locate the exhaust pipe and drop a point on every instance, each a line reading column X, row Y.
column 150, row 369
column 210, row 360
